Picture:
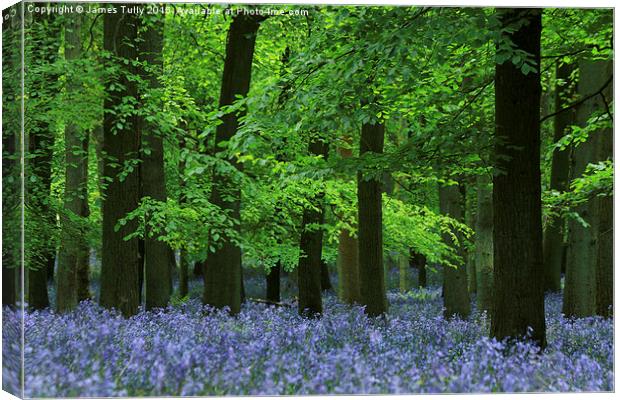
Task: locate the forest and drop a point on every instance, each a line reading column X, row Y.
column 213, row 199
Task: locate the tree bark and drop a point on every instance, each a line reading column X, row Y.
column 311, row 247
column 484, row 243
column 470, row 221
column 418, row 261
column 370, row 227
column 273, row 283
column 326, row 283
column 347, row 262
column 456, row 294
column 183, row 274
column 605, row 262
column 581, row 264
column 605, row 257
column 223, row 276
column 553, row 244
column 121, row 261
column 403, row 272
column 72, row 246
column 83, row 260
column 518, row 301
column 157, row 273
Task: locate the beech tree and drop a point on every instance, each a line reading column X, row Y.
column 580, row 291
column 370, row 235
column 73, row 254
column 455, row 290
column 554, row 245
column 157, row 271
column 484, row 242
column 121, row 260
column 222, row 272
column 518, row 301
column 311, row 246
column 348, row 264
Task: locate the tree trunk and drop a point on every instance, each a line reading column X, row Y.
column 273, row 283
column 518, row 301
column 456, row 295
column 553, row 244
column 72, row 245
column 348, row 268
column 470, row 221
column 223, row 277
column 403, row 272
column 197, row 270
column 326, row 283
column 370, row 227
column 157, row 274
column 311, row 246
column 580, row 282
column 83, row 259
column 347, row 263
column 418, row 261
column 97, row 137
column 484, row 243
column 121, row 260
column 605, row 262
column 605, row 259
column 183, row 274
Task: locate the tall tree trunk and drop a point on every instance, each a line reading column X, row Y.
column 348, row 268
column 518, row 301
column 83, row 260
column 605, row 239
column 370, row 227
column 121, row 261
column 605, row 263
column 72, row 244
column 456, row 295
column 11, row 154
column 273, row 283
column 157, row 273
column 553, row 244
column 347, row 262
column 223, row 276
column 311, row 247
column 43, row 51
column 581, row 263
column 484, row 243
column 585, row 261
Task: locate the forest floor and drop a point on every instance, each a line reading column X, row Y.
column 266, row 350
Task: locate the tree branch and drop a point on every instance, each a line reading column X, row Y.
column 580, row 101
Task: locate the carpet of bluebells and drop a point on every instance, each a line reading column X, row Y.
column 266, row 350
